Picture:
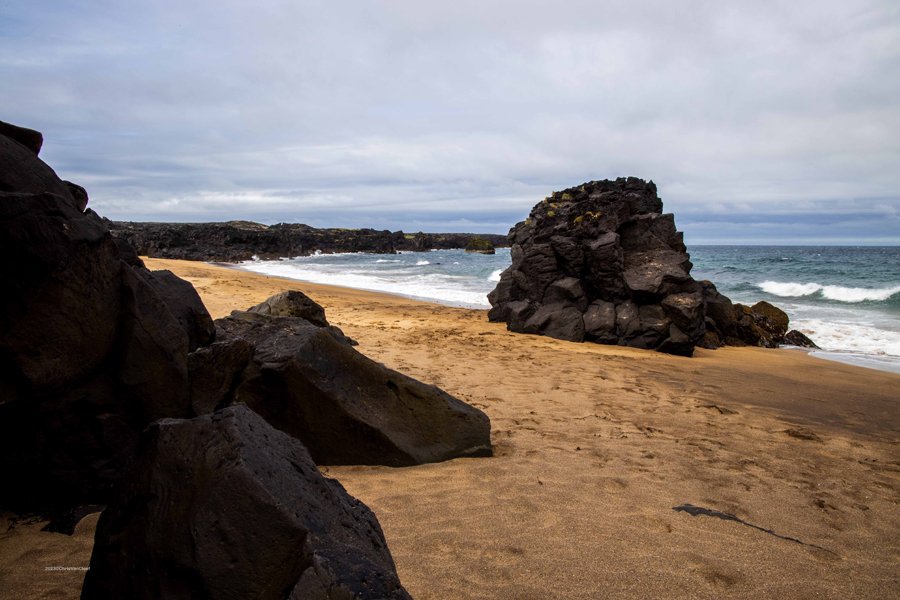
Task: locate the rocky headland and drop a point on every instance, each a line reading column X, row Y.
column 119, row 389
column 602, row 263
column 236, row 241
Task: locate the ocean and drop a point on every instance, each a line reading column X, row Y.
column 847, row 299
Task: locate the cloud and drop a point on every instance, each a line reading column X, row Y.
column 416, row 115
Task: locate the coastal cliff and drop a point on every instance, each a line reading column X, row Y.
column 236, row 241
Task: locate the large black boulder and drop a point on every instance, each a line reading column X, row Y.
column 602, row 263
column 225, row 506
column 93, row 346
column 293, row 303
column 346, row 408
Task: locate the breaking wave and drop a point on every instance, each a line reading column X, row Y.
column 829, row 292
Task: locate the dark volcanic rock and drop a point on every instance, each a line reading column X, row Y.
column 297, row 304
column 225, row 506
column 93, row 347
column 236, row 241
column 31, row 139
column 292, row 304
column 602, row 263
column 795, row 338
column 346, row 408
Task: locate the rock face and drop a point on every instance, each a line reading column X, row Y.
column 31, row 139
column 93, row 346
column 601, row 262
column 225, row 506
column 236, row 241
column 346, row 408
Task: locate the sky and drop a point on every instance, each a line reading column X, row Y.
column 760, row 122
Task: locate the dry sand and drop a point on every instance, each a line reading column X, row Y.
column 595, row 448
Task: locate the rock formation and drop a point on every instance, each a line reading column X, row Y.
column 601, row 262
column 94, row 347
column 297, row 304
column 236, row 241
column 480, row 245
column 346, row 408
column 225, row 506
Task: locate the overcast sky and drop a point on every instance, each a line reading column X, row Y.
column 760, row 122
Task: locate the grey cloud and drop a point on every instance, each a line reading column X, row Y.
column 414, row 115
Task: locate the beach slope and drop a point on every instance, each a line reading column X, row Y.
column 618, row 473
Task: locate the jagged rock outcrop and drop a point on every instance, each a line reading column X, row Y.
column 480, row 245
column 93, row 346
column 601, row 262
column 225, row 506
column 346, row 408
column 237, row 241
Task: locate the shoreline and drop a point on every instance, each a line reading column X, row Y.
column 597, row 450
column 890, row 365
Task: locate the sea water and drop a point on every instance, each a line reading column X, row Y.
column 846, row 299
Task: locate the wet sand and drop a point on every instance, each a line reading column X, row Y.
column 617, row 473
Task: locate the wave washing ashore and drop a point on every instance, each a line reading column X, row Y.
column 847, row 299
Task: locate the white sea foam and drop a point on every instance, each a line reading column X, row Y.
column 495, row 276
column 432, row 286
column 830, row 292
column 422, row 263
column 851, row 337
column 385, row 260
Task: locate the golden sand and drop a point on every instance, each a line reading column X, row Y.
column 595, row 448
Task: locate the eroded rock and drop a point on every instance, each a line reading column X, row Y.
column 345, row 407
column 601, row 262
column 225, row 506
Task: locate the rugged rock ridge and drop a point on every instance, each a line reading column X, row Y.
column 236, row 241
column 601, row 262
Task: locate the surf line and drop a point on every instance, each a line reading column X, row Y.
column 696, row 511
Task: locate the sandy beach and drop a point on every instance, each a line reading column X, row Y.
column 605, row 459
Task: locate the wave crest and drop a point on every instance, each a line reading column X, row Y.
column 830, row 292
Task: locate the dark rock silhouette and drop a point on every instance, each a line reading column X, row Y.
column 93, row 346
column 225, row 506
column 795, row 338
column 237, row 241
column 31, row 139
column 601, row 262
column 346, row 408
